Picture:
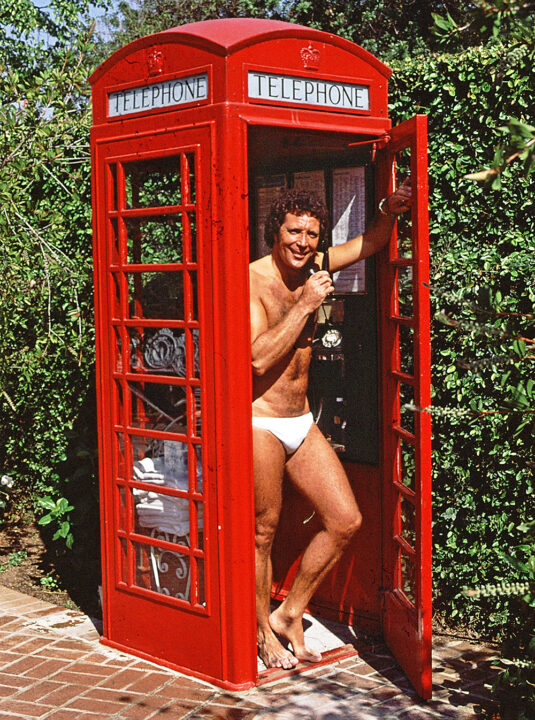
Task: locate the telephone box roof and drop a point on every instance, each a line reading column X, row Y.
column 227, row 36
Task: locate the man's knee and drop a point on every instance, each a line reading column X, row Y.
column 345, row 525
column 265, row 529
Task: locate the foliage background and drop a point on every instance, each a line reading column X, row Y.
column 482, row 266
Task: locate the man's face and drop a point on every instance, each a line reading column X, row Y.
column 298, row 239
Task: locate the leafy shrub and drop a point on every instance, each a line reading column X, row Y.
column 482, row 277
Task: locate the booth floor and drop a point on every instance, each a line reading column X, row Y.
column 52, row 666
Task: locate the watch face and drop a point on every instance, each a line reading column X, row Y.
column 331, row 338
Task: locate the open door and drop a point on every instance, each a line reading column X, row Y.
column 406, row 451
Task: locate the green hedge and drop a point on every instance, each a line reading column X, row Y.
column 482, row 278
column 482, row 287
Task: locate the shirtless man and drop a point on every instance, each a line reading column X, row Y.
column 285, row 296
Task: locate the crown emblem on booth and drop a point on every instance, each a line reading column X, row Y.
column 310, row 57
column 155, row 61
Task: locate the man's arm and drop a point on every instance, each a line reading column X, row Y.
column 376, row 235
column 270, row 344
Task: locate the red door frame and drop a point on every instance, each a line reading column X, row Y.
column 407, row 551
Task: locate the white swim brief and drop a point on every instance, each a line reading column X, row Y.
column 290, row 431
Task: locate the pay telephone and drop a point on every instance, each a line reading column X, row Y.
column 343, row 378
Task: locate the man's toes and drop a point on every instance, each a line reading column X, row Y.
column 306, row 655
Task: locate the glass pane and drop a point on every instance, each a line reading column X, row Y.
column 156, row 406
column 118, row 402
column 122, row 512
column 162, row 463
column 153, row 183
column 192, row 220
column 119, row 456
column 190, row 161
column 404, row 288
column 163, row 571
column 201, row 592
column 406, row 471
column 159, row 350
column 408, row 522
column 194, row 306
column 406, row 401
column 156, row 295
column 115, row 295
column 114, row 246
column 154, row 240
column 122, row 563
column 158, row 514
column 198, row 510
column 196, row 454
column 408, row 578
column 406, row 349
column 112, row 186
column 195, row 404
column 404, row 221
column 117, row 349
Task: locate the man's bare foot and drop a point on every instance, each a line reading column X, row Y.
column 292, row 630
column 272, row 653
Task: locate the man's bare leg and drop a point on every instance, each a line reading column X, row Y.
column 269, row 458
column 319, row 476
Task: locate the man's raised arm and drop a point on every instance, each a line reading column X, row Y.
column 376, row 234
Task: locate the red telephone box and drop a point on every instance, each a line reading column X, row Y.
column 195, row 129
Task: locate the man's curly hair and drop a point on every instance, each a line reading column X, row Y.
column 297, row 202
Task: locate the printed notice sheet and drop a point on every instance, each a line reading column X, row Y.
column 312, row 181
column 267, row 189
column 349, row 210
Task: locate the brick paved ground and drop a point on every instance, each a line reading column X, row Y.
column 53, row 667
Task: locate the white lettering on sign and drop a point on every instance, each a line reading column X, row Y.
column 158, row 95
column 308, row 91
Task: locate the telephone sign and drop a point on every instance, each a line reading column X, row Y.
column 158, row 95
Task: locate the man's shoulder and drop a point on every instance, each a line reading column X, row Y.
column 262, row 269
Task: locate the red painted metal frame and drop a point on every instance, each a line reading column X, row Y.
column 223, row 649
column 407, row 620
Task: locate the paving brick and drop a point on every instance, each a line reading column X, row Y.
column 363, row 683
column 15, row 680
column 65, row 715
column 102, row 707
column 72, row 645
column 23, row 664
column 51, row 651
column 66, row 676
column 6, row 691
column 148, row 683
column 123, row 678
column 27, row 709
column 180, row 708
column 33, row 644
column 96, row 657
column 384, row 692
column 8, row 657
column 120, row 696
column 63, row 694
column 45, row 669
column 398, row 703
column 216, row 712
column 12, row 640
column 4, row 619
column 150, row 707
column 86, row 668
column 38, row 691
column 417, row 713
